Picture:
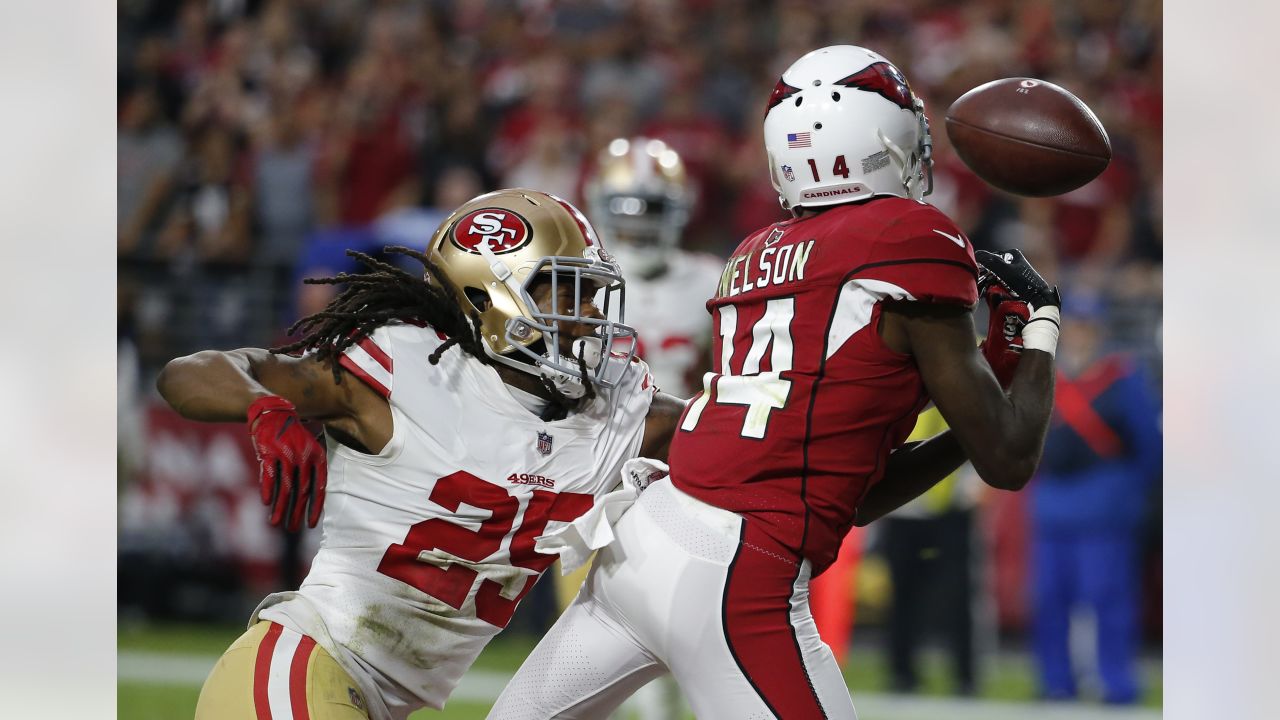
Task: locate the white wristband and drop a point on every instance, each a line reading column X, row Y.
column 1041, row 331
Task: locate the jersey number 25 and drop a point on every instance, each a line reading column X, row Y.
column 452, row 583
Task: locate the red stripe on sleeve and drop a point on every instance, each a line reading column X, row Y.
column 298, row 678
column 359, row 372
column 376, row 352
column 262, row 672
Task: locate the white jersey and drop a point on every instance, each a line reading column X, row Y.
column 670, row 317
column 427, row 546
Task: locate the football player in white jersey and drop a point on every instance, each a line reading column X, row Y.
column 640, row 198
column 442, row 468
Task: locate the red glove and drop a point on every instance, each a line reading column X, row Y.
column 1003, row 346
column 292, row 462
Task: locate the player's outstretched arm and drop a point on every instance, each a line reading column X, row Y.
column 274, row 393
column 1001, row 434
column 217, row 386
column 660, row 425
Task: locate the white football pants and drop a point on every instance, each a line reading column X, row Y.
column 696, row 590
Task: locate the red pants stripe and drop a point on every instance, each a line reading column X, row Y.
column 757, row 622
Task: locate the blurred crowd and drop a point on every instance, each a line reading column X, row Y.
column 257, row 139
column 248, row 128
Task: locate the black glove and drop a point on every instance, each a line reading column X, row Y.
column 1011, row 269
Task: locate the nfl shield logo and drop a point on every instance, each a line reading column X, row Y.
column 544, row 443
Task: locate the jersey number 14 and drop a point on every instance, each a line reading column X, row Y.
column 760, row 392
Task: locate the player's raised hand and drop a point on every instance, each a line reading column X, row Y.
column 1003, row 345
column 1009, row 273
column 292, row 466
column 1011, row 269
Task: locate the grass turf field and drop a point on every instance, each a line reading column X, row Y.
column 176, row 654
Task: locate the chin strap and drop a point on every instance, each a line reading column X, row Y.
column 588, row 351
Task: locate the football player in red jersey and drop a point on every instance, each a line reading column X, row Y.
column 444, row 468
column 833, row 331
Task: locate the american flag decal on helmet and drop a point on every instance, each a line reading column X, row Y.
column 798, row 140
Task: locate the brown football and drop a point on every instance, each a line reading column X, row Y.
column 1028, row 137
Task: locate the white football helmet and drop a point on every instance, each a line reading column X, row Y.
column 640, row 197
column 842, row 124
column 495, row 247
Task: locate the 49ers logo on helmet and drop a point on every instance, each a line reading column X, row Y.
column 502, row 230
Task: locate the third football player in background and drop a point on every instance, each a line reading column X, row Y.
column 640, row 199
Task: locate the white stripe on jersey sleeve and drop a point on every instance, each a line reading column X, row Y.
column 853, row 308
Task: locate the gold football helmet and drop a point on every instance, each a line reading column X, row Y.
column 496, row 246
column 641, row 197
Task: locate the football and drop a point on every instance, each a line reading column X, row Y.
column 1028, row 137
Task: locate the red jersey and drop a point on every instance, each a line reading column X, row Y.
column 806, row 402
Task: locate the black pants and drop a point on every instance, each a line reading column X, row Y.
column 931, row 566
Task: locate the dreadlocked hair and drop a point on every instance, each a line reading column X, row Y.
column 375, row 298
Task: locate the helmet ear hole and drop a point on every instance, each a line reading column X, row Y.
column 799, row 99
column 477, row 297
column 835, row 96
